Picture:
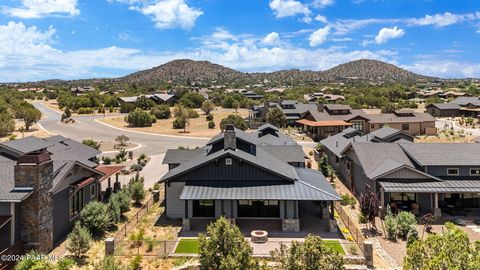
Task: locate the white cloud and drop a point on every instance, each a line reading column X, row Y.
column 322, row 3
column 386, row 34
column 170, row 13
column 271, row 38
column 445, row 68
column 445, row 19
column 321, row 19
column 287, row 8
column 42, row 8
column 319, row 37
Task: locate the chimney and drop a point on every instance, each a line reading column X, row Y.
column 229, row 138
column 35, row 171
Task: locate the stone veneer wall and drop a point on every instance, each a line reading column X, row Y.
column 37, row 210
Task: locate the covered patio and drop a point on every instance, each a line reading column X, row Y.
column 322, row 129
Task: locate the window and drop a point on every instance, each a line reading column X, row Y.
column 204, row 208
column 405, row 127
column 402, row 197
column 228, row 161
column 349, row 166
column 258, row 208
column 475, row 171
column 76, row 202
column 372, row 126
column 358, row 125
column 337, row 159
column 452, row 171
column 93, row 188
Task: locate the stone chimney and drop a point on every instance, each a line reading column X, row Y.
column 35, row 171
column 229, row 138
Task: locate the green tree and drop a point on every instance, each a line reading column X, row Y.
column 325, row 167
column 234, row 119
column 276, row 117
column 92, row 143
column 224, row 247
column 161, row 111
column 144, row 103
column 312, row 254
column 108, row 263
column 207, row 107
column 68, row 113
column 96, row 218
column 78, row 241
column 136, row 189
column 140, row 118
column 192, row 100
column 182, row 117
column 7, row 124
column 30, row 116
column 369, row 204
column 449, row 250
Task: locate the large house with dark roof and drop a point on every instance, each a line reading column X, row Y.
column 240, row 175
column 461, row 106
column 320, row 121
column 425, row 177
column 44, row 184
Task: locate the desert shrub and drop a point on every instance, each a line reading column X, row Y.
column 140, row 118
column 78, row 241
column 209, row 117
column 235, row 120
column 96, row 218
column 85, row 110
column 161, row 111
column 192, row 113
column 108, row 263
column 136, row 189
column 362, row 219
column 135, row 263
column 65, row 264
column 405, row 222
column 347, row 200
column 156, row 186
column 211, row 124
column 127, row 107
column 390, row 225
column 179, row 123
column 412, row 235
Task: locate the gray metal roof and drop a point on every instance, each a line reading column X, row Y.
column 27, row 145
column 445, row 106
column 444, row 154
column 462, row 101
column 384, row 132
column 427, row 187
column 287, row 153
column 265, row 126
column 337, row 107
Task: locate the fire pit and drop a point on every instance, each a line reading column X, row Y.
column 258, row 236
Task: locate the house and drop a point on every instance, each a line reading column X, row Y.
column 292, row 109
column 244, row 176
column 334, row 118
column 44, row 184
column 422, row 177
column 328, row 97
column 461, row 106
column 162, row 98
column 82, row 89
column 252, row 95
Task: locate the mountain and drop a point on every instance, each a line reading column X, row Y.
column 371, row 70
column 184, row 71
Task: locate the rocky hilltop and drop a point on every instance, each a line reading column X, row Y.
column 184, row 71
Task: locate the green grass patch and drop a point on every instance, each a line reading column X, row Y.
column 335, row 245
column 188, row 246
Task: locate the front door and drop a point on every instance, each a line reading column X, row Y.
column 204, row 208
column 258, row 208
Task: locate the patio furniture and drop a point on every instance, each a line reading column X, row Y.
column 258, row 236
column 459, row 222
column 477, row 221
column 415, row 209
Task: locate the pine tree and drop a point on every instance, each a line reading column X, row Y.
column 78, row 241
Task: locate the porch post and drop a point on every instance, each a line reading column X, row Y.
column 332, row 210
column 437, row 212
column 382, row 197
column 186, row 219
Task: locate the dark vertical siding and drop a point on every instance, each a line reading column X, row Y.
column 61, row 216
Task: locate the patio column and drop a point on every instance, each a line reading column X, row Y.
column 332, row 210
column 186, row 219
column 382, row 197
column 437, row 212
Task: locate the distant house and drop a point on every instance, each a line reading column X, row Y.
column 461, row 106
column 245, row 176
column 292, row 109
column 329, row 97
column 158, row 98
column 44, row 184
column 421, row 177
column 82, row 89
column 252, row 95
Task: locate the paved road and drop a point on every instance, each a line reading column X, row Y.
column 441, row 124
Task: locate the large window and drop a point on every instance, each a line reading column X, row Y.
column 405, row 127
column 204, row 208
column 452, row 171
column 358, row 125
column 93, row 192
column 76, row 202
column 475, row 171
column 257, row 208
column 403, row 197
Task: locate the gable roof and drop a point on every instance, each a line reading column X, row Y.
column 26, row 145
column 445, row 106
column 444, row 154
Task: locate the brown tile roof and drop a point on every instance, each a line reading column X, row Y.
column 108, row 171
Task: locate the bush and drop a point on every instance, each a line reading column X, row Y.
column 7, row 124
column 209, row 117
column 362, row 219
column 235, row 120
column 179, row 123
column 207, row 107
column 137, row 237
column 211, row 124
column 412, row 236
column 135, row 263
column 85, row 110
column 136, row 189
column 107, row 160
column 390, row 225
column 405, row 222
column 78, row 241
column 65, row 264
column 156, row 186
column 96, row 218
column 347, row 200
column 161, row 111
column 33, row 261
column 92, row 143
column 192, row 113
column 114, row 210
column 127, row 107
column 139, row 118
column 108, row 263
column 192, row 100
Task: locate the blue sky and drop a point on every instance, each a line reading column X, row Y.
column 72, row 39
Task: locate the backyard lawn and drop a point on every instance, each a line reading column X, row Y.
column 187, row 246
column 192, row 246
